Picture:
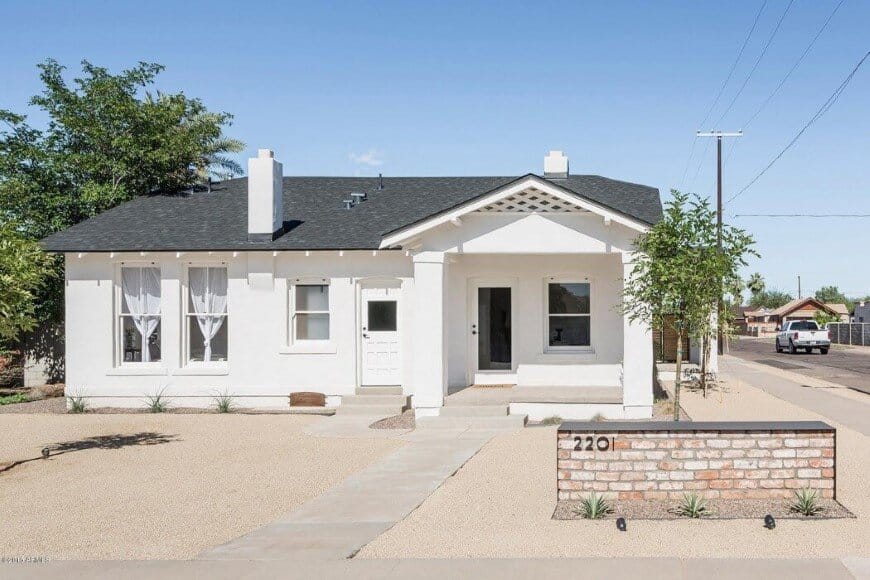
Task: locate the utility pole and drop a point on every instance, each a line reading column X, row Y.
column 719, row 135
column 799, row 286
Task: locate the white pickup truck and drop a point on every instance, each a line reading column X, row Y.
column 804, row 334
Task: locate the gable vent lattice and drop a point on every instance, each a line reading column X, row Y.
column 530, row 201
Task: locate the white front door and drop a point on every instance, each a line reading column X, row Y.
column 381, row 360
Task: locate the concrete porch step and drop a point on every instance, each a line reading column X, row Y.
column 474, row 411
column 507, row 422
column 379, row 390
column 373, row 410
column 579, row 395
column 367, row 399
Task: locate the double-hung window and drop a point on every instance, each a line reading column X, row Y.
column 309, row 319
column 139, row 314
column 569, row 324
column 207, row 324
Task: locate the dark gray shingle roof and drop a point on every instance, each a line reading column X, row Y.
column 313, row 212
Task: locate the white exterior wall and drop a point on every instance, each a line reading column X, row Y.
column 261, row 360
column 434, row 316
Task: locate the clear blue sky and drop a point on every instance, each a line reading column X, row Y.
column 486, row 88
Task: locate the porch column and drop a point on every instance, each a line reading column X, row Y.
column 430, row 336
column 637, row 359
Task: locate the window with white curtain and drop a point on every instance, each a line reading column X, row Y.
column 309, row 318
column 569, row 318
column 207, row 325
column 139, row 314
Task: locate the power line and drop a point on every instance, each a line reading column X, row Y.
column 787, row 76
column 796, row 64
column 722, row 89
column 757, row 62
column 804, row 215
column 824, row 109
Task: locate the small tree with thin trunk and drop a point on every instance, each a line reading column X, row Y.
column 680, row 275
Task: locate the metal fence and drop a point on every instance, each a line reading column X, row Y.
column 850, row 333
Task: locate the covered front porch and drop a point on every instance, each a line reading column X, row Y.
column 539, row 333
column 522, row 287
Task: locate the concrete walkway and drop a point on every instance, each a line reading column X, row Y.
column 335, row 525
column 851, row 412
column 500, row 569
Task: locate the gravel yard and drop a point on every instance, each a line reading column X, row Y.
column 139, row 486
column 500, row 504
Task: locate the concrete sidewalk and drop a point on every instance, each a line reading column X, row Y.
column 851, row 412
column 500, row 569
column 336, row 524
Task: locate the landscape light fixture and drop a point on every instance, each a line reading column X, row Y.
column 620, row 524
column 769, row 522
column 45, row 452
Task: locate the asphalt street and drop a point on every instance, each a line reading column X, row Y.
column 844, row 365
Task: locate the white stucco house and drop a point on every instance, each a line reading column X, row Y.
column 269, row 284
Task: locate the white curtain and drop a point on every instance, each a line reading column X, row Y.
column 208, row 293
column 141, row 288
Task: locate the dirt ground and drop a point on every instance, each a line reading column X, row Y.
column 160, row 485
column 501, row 502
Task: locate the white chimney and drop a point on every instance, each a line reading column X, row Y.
column 555, row 165
column 265, row 197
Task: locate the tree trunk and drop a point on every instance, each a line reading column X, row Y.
column 705, row 349
column 679, row 371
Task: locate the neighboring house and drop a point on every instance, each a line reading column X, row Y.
column 270, row 284
column 765, row 321
column 862, row 312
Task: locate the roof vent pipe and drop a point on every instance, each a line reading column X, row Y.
column 348, row 203
column 380, row 181
column 358, row 196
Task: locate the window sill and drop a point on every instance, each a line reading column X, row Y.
column 325, row 347
column 203, row 369
column 135, row 370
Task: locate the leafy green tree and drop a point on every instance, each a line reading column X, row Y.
column 822, row 318
column 770, row 299
column 832, row 295
column 107, row 140
column 680, row 276
column 22, row 266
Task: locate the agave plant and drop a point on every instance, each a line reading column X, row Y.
column 157, row 402
column 224, row 403
column 693, row 506
column 806, row 502
column 593, row 507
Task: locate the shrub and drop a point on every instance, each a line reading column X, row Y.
column 599, row 417
column 593, row 507
column 693, row 506
column 224, row 403
column 552, row 420
column 806, row 502
column 12, row 399
column 157, row 402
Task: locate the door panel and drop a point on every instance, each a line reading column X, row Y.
column 494, row 328
column 381, row 360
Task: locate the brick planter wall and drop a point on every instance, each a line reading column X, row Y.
column 664, row 460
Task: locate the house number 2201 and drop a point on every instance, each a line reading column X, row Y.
column 590, row 443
